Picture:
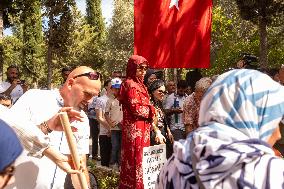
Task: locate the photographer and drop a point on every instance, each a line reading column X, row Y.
column 247, row 62
column 13, row 87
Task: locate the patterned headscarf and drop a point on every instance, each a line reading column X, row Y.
column 238, row 114
column 246, row 100
column 10, row 146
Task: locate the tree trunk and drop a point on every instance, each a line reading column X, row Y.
column 49, row 52
column 1, row 45
column 49, row 66
column 179, row 72
column 263, row 54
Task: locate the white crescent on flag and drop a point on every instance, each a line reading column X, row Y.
column 174, row 3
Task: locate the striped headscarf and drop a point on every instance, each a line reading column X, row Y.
column 238, row 115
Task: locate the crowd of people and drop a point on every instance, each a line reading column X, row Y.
column 219, row 131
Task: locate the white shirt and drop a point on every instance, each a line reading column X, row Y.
column 169, row 103
column 16, row 93
column 34, row 107
column 101, row 105
column 3, row 109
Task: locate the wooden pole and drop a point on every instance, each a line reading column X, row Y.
column 73, row 148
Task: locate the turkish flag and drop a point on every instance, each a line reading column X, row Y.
column 173, row 33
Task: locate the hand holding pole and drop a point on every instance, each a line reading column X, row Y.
column 73, row 148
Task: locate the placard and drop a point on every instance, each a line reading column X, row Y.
column 154, row 157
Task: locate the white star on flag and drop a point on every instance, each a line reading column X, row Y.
column 174, row 3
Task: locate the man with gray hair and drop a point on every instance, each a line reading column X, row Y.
column 192, row 103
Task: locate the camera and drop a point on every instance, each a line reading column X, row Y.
column 250, row 61
column 22, row 81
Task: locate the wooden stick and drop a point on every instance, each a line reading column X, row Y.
column 73, row 148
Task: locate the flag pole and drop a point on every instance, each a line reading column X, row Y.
column 73, row 148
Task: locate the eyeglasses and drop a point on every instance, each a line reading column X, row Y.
column 90, row 75
column 143, row 68
column 161, row 91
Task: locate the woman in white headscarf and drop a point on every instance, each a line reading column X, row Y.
column 239, row 119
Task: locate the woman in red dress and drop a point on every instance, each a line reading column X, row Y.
column 138, row 115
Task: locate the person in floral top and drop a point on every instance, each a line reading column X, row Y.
column 191, row 104
column 157, row 91
column 138, row 116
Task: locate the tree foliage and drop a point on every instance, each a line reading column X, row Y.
column 120, row 37
column 262, row 13
column 232, row 36
column 252, row 10
column 71, row 39
column 58, row 32
column 84, row 48
column 94, row 18
column 32, row 51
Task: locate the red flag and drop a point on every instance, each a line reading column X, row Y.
column 173, row 33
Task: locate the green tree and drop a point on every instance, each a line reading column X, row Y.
column 12, row 50
column 84, row 48
column 7, row 8
column 32, row 51
column 94, row 18
column 262, row 13
column 120, row 37
column 58, row 32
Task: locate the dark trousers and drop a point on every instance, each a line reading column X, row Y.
column 94, row 132
column 115, row 146
column 105, row 149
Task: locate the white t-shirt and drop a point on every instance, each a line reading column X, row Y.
column 34, row 107
column 176, row 121
column 3, row 109
column 16, row 93
column 101, row 105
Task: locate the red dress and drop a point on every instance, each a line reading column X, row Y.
column 138, row 113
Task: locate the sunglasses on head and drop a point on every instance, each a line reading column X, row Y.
column 90, row 75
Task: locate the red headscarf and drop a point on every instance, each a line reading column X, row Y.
column 133, row 63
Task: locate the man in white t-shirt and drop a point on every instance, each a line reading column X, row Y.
column 114, row 115
column 174, row 108
column 104, row 135
column 39, row 106
column 13, row 87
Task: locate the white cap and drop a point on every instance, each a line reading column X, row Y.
column 115, row 83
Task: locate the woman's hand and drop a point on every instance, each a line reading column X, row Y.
column 159, row 138
column 171, row 137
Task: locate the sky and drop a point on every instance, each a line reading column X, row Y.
column 107, row 9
